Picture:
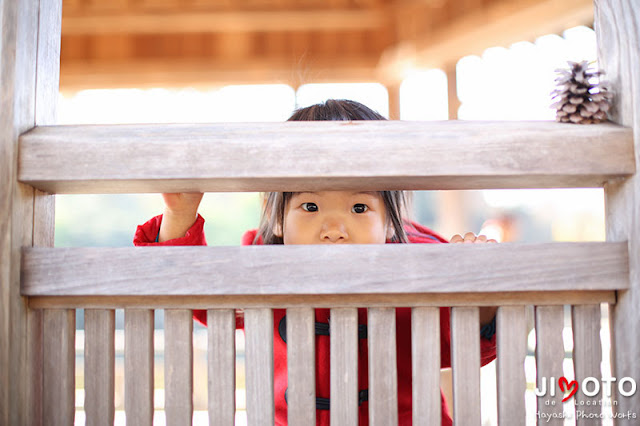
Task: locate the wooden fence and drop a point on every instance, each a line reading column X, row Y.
column 41, row 285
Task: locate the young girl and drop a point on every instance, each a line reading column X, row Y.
column 327, row 217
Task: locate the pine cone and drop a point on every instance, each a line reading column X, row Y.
column 580, row 96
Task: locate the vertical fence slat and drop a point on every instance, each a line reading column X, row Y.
column 425, row 359
column 344, row 366
column 465, row 365
column 549, row 359
column 178, row 366
column 587, row 356
column 99, row 366
column 511, row 336
column 301, row 361
column 59, row 378
column 138, row 366
column 221, row 324
column 383, row 373
column 258, row 327
column 35, row 365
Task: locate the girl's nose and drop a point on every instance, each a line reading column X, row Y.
column 333, row 231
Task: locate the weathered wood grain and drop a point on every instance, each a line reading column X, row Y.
column 301, row 362
column 587, row 356
column 258, row 328
column 178, row 366
column 346, row 155
column 549, row 359
column 221, row 362
column 20, row 79
column 465, row 365
column 344, row 366
column 99, row 366
column 617, row 25
column 511, row 339
column 35, row 366
column 327, row 301
column 425, row 363
column 138, row 366
column 383, row 373
column 59, row 377
column 319, row 269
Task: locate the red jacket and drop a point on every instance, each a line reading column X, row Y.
column 146, row 235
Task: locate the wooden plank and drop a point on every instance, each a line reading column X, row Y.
column 221, row 361
column 78, row 74
column 344, row 366
column 465, row 365
column 59, row 377
column 213, row 270
column 326, row 301
column 203, row 21
column 587, row 356
column 497, row 24
column 21, row 80
column 258, row 329
column 99, row 366
column 383, row 373
column 35, row 366
column 549, row 359
column 425, row 364
column 138, row 366
column 80, row 159
column 301, row 366
column 618, row 35
column 178, row 366
column 511, row 336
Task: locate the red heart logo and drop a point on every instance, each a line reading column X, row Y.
column 566, row 386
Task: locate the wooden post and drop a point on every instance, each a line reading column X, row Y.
column 393, row 90
column 29, row 64
column 452, row 91
column 617, row 25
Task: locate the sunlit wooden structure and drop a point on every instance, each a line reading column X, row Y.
column 175, row 43
column 41, row 286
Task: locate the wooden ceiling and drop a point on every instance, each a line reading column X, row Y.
column 138, row 43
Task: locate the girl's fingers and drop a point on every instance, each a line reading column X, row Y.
column 481, row 239
column 456, row 239
column 469, row 237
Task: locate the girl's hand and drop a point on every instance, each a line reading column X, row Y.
column 183, row 202
column 470, row 237
column 180, row 213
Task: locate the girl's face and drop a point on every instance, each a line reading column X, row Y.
column 336, row 217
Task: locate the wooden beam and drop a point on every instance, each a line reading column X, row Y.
column 327, row 301
column 500, row 24
column 297, row 270
column 223, row 21
column 344, row 155
column 29, row 49
column 618, row 36
column 80, row 75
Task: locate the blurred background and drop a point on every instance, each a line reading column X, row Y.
column 163, row 61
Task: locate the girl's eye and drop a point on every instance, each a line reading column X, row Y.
column 359, row 208
column 310, row 207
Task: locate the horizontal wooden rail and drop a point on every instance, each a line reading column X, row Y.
column 322, row 270
column 327, row 301
column 323, row 155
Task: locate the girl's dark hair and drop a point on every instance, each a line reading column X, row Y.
column 274, row 203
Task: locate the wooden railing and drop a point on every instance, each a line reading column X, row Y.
column 256, row 157
column 37, row 324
